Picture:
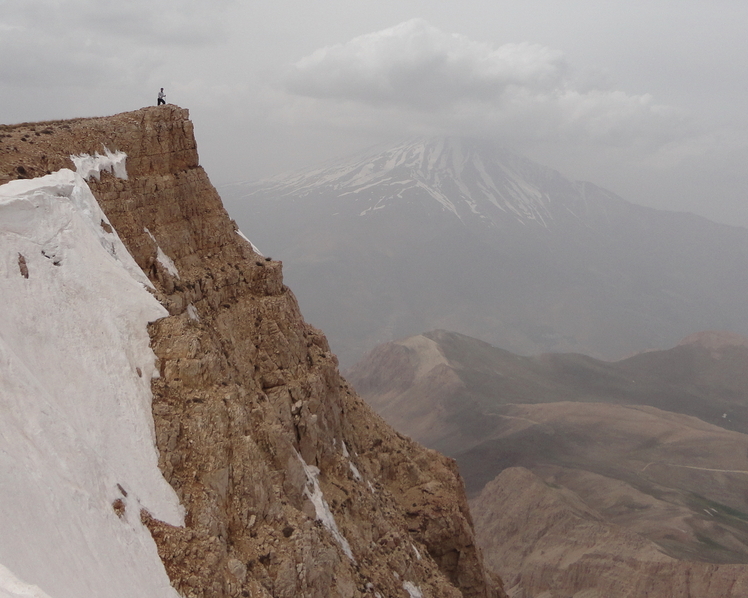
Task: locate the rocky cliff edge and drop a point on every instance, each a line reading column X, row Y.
column 292, row 485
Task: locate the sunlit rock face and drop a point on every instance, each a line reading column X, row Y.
column 289, row 485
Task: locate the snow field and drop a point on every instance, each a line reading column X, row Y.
column 76, row 430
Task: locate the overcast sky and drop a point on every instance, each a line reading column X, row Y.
column 646, row 98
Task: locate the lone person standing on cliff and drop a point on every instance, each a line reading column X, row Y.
column 161, row 97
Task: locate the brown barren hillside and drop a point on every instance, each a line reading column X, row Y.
column 291, row 484
column 705, row 376
column 571, row 550
column 586, row 475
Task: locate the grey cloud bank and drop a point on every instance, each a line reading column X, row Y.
column 416, row 64
column 516, row 92
column 642, row 97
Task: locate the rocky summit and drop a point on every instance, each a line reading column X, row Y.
column 291, row 486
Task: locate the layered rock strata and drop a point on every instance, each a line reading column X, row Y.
column 292, row 485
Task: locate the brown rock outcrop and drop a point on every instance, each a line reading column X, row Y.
column 292, row 485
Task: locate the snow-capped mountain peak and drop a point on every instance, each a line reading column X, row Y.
column 467, row 178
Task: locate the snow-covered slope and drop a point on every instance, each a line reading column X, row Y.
column 76, row 430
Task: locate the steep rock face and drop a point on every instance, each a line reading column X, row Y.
column 292, row 486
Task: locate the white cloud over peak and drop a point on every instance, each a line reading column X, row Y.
column 416, row 64
column 520, row 92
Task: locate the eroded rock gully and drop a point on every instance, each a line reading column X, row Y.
column 250, row 400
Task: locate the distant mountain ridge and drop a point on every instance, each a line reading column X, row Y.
column 466, row 236
column 465, row 380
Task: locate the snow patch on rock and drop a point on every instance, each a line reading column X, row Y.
column 254, row 248
column 314, row 493
column 92, row 166
column 166, row 262
column 354, row 470
column 413, row 590
column 192, row 313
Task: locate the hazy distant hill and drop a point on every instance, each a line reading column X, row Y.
column 462, row 235
column 446, row 389
column 628, row 473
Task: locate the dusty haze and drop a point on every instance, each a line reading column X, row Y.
column 644, row 98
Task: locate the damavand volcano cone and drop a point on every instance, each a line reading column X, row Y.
column 465, row 236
